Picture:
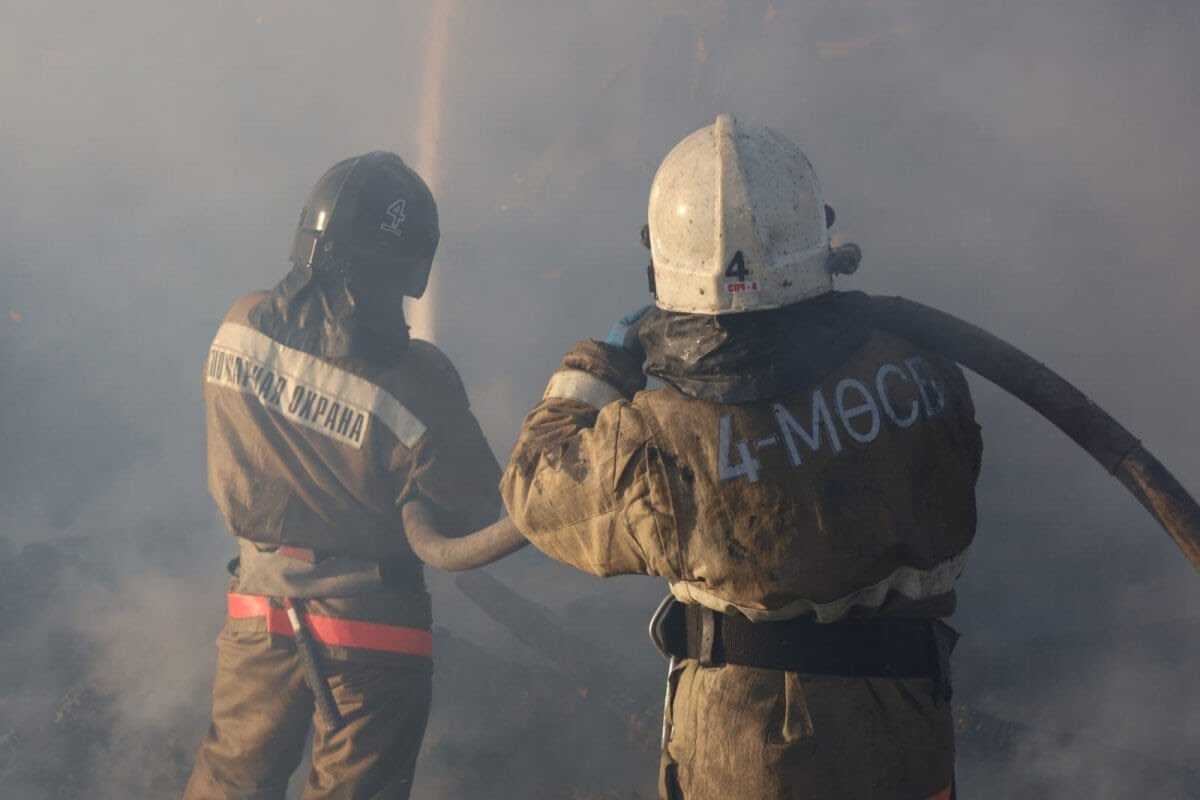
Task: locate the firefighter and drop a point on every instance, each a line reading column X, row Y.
column 803, row 480
column 324, row 419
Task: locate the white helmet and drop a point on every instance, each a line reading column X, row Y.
column 737, row 223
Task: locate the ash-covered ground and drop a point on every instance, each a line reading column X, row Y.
column 1029, row 166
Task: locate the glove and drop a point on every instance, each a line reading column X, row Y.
column 624, row 331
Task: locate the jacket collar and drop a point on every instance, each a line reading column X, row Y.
column 315, row 311
column 743, row 358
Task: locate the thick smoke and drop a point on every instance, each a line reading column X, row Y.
column 1027, row 165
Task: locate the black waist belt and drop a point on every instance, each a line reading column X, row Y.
column 883, row 647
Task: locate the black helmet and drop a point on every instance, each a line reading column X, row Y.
column 370, row 213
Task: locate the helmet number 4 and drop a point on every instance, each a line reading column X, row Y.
column 738, row 271
column 395, row 221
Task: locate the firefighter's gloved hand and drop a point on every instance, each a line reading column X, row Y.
column 624, row 332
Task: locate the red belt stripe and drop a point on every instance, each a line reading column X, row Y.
column 333, row 631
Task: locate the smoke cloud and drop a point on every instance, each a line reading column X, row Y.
column 1029, row 166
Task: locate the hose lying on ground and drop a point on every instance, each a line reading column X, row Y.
column 1054, row 398
column 454, row 554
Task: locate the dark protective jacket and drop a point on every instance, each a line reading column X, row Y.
column 319, row 452
column 796, row 462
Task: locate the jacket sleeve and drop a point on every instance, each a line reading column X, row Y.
column 586, row 483
column 454, row 469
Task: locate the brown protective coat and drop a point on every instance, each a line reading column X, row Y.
column 276, row 482
column 820, row 530
column 637, row 487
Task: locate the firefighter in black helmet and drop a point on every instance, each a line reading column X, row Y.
column 324, row 418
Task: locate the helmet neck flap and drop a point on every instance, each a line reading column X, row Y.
column 744, row 358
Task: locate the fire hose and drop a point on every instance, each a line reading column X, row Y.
column 1052, row 396
column 454, row 554
column 1013, row 370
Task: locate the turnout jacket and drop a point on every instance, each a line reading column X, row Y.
column 316, row 452
column 832, row 478
column 795, row 462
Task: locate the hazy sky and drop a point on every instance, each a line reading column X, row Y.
column 1029, row 166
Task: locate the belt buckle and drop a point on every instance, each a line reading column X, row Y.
column 658, row 625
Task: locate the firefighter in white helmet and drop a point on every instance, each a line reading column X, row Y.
column 803, row 480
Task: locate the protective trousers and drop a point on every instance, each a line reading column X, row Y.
column 262, row 710
column 737, row 731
